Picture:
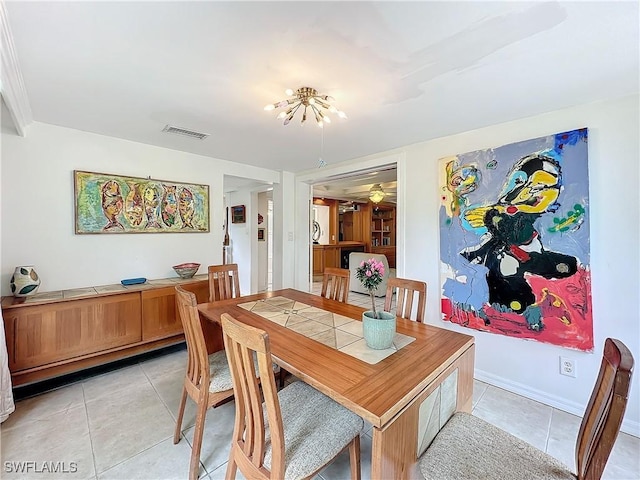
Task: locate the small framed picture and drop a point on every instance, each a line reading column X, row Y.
column 238, row 214
column 261, row 234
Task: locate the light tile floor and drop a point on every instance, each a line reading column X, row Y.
column 119, row 425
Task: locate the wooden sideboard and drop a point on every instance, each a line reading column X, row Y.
column 55, row 333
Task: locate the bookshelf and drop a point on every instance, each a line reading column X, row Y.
column 383, row 227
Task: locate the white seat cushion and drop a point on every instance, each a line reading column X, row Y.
column 220, row 373
column 316, row 429
column 468, row 448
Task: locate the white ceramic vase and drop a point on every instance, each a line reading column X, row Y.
column 379, row 332
column 24, row 281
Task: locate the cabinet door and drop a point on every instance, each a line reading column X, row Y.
column 332, row 257
column 160, row 313
column 361, row 225
column 159, row 318
column 347, row 226
column 50, row 333
column 318, row 261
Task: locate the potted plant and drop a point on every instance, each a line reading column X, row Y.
column 379, row 328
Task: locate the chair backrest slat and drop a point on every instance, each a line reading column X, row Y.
column 605, row 410
column 242, row 342
column 223, row 282
column 198, row 358
column 405, row 296
column 335, row 284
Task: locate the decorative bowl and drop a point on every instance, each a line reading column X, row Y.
column 186, row 270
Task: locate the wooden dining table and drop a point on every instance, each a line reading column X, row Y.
column 394, row 394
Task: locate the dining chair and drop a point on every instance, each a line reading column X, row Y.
column 224, row 282
column 335, row 284
column 468, row 447
column 296, row 431
column 207, row 379
column 404, row 297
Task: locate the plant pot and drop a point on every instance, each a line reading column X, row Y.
column 379, row 332
column 24, row 281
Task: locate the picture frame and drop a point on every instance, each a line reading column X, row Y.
column 261, row 235
column 113, row 204
column 238, row 214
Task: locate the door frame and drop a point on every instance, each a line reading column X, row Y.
column 304, row 180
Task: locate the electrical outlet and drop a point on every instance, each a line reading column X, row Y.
column 568, row 367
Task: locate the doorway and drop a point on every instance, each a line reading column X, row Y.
column 355, row 222
column 250, row 237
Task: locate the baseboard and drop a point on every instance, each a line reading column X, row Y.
column 630, row 427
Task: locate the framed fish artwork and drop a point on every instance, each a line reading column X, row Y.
column 107, row 203
column 514, row 240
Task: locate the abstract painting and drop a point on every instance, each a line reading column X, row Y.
column 106, row 203
column 514, row 240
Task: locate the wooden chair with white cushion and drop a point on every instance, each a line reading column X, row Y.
column 224, row 282
column 335, row 284
column 405, row 296
column 296, row 431
column 468, row 447
column 207, row 379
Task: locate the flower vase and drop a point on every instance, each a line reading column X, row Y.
column 379, row 332
column 24, row 281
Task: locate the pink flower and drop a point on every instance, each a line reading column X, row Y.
column 368, row 273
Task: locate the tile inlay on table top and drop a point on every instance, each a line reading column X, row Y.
column 336, row 331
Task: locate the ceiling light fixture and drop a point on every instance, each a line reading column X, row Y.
column 376, row 193
column 308, row 98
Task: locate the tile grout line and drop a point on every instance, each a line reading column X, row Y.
column 86, row 413
column 149, row 447
column 183, row 436
column 133, row 456
column 156, row 390
column 546, row 444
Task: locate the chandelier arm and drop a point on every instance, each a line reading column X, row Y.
column 323, row 104
column 308, row 97
column 293, row 109
column 284, row 103
column 317, row 114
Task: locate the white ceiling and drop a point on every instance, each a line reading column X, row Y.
column 355, row 187
column 404, row 72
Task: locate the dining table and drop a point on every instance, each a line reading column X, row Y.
column 406, row 394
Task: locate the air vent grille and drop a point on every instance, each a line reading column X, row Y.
column 185, row 132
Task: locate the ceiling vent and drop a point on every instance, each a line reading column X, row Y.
column 185, row 132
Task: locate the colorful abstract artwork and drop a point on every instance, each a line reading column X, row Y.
column 514, row 240
column 106, row 203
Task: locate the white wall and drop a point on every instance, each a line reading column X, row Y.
column 287, row 231
column 38, row 212
column 531, row 368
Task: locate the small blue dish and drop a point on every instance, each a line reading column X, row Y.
column 133, row 281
